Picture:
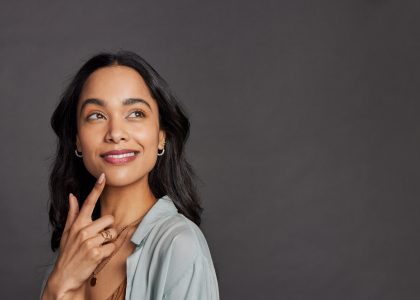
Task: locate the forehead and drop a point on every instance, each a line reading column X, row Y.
column 115, row 83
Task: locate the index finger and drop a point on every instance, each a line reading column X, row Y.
column 92, row 198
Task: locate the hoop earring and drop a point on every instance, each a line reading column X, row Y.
column 161, row 153
column 77, row 153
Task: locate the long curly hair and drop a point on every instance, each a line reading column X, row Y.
column 172, row 175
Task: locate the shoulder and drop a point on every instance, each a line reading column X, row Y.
column 176, row 245
column 176, row 258
column 181, row 238
column 186, row 258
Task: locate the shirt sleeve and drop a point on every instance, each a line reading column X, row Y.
column 198, row 282
column 190, row 273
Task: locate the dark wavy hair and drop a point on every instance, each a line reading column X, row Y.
column 172, row 175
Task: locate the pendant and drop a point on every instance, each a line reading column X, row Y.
column 93, row 281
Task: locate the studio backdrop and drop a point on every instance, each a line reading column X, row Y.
column 304, row 133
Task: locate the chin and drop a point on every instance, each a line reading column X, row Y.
column 120, row 179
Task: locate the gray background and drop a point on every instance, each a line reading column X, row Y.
column 305, row 133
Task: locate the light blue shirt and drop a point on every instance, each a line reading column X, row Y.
column 171, row 260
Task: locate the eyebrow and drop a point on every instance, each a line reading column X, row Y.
column 129, row 101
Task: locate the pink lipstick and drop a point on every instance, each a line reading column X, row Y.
column 117, row 157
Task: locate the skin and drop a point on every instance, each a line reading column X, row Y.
column 124, row 193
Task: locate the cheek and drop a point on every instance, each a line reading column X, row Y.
column 147, row 139
column 89, row 141
column 148, row 142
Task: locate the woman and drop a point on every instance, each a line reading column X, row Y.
column 124, row 209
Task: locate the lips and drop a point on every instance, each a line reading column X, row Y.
column 117, row 157
column 118, row 152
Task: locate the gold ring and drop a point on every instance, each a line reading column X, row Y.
column 106, row 234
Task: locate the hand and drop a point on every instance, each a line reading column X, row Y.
column 81, row 248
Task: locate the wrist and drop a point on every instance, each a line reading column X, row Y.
column 54, row 288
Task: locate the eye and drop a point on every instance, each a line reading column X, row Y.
column 98, row 114
column 138, row 113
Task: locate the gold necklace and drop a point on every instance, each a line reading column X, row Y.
column 106, row 260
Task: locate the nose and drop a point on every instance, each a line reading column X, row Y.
column 116, row 132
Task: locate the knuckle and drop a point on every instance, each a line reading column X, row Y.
column 110, row 218
column 83, row 234
column 109, row 249
column 94, row 253
column 89, row 244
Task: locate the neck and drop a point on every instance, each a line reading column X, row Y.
column 127, row 203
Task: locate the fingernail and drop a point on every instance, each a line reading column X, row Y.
column 101, row 178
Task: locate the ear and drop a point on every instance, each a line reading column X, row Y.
column 79, row 148
column 162, row 139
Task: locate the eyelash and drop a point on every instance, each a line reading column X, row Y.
column 96, row 113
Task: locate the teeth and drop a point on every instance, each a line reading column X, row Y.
column 121, row 155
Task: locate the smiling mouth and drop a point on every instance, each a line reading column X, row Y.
column 117, row 159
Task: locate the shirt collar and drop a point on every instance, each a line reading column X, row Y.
column 164, row 207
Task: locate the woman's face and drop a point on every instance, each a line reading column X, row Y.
column 116, row 111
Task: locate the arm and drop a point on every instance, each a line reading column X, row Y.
column 198, row 282
column 190, row 273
